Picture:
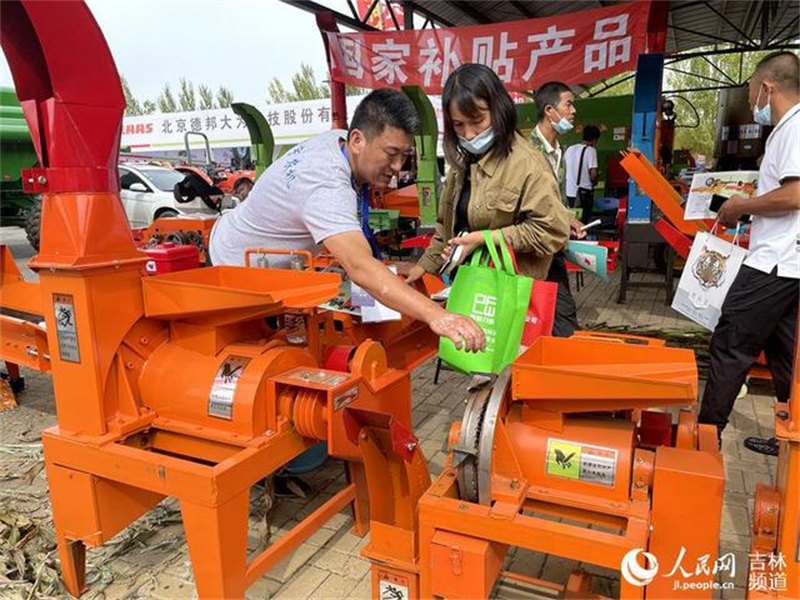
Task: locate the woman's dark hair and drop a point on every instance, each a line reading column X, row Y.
column 465, row 87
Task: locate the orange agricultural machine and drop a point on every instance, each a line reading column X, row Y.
column 774, row 560
column 188, row 385
column 173, row 385
column 562, row 454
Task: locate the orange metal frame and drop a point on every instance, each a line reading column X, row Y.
column 776, row 519
column 554, row 385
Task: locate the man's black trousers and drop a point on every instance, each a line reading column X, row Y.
column 566, row 319
column 759, row 314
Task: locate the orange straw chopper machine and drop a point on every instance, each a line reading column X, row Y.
column 563, row 455
column 170, row 385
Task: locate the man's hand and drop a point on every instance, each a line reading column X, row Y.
column 352, row 251
column 413, row 274
column 462, row 331
column 731, row 210
column 468, row 242
column 575, row 231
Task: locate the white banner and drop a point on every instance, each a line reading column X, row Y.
column 291, row 123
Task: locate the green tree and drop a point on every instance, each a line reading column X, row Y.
column 149, row 107
column 206, row 97
column 186, row 96
column 277, row 93
column 132, row 106
column 304, row 84
column 224, row 97
column 697, row 131
column 694, row 130
column 166, row 101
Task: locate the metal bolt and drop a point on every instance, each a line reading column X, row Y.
column 363, row 435
column 514, row 485
column 411, row 446
column 640, row 460
column 41, row 179
column 462, row 506
column 782, row 414
column 144, row 341
column 129, row 365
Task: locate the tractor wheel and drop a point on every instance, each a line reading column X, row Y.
column 33, row 222
column 166, row 213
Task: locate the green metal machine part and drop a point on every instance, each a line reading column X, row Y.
column 428, row 174
column 16, row 153
column 261, row 138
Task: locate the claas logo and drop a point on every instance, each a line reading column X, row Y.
column 135, row 128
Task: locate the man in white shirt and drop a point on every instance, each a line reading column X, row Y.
column 760, row 310
column 309, row 198
column 581, row 173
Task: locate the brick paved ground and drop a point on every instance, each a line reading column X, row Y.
column 150, row 560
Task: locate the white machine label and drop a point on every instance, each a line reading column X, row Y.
column 220, row 400
column 582, row 462
column 392, row 590
column 317, row 377
column 345, row 398
column 66, row 328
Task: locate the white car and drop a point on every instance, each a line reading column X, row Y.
column 147, row 193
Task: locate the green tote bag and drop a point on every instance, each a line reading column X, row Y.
column 497, row 298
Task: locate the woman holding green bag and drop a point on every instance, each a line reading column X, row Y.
column 497, row 181
column 500, row 191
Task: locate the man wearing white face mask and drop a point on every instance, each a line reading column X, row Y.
column 555, row 106
column 760, row 310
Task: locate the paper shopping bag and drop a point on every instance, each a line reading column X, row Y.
column 712, row 266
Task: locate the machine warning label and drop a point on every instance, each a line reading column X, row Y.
column 220, row 400
column 317, row 376
column 583, row 462
column 66, row 328
column 345, row 398
column 391, row 587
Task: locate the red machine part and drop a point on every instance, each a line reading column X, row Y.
column 168, row 257
column 75, row 131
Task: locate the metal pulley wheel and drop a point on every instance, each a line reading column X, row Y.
column 473, row 454
column 175, row 237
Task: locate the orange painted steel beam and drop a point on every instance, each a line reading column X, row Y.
column 299, row 533
column 561, row 539
column 660, row 191
column 24, row 343
column 15, row 292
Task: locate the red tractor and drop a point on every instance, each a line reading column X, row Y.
column 210, row 181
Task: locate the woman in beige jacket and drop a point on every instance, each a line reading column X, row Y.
column 497, row 180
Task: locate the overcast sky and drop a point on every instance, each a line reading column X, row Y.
column 241, row 44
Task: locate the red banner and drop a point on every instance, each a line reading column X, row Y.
column 381, row 16
column 574, row 48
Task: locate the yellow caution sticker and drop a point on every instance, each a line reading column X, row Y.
column 582, row 462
